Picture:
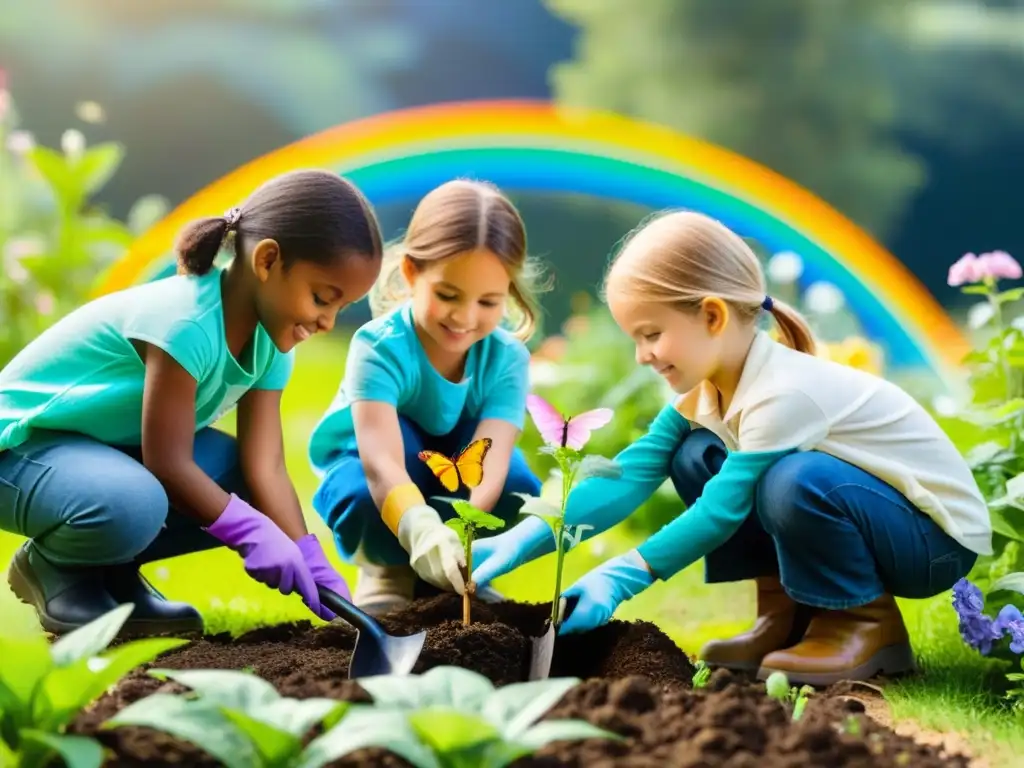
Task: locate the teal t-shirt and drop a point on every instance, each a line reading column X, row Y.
column 387, row 363
column 83, row 374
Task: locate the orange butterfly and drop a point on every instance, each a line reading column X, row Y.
column 467, row 467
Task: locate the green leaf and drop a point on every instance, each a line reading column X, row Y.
column 994, row 416
column 458, row 525
column 75, row 751
column 988, row 453
column 1012, row 582
column 534, row 505
column 450, row 731
column 18, row 681
column 366, row 727
column 273, row 745
column 976, row 290
column 67, row 690
column 55, row 169
column 90, row 639
column 544, row 733
column 441, row 686
column 194, row 720
column 598, row 466
column 97, row 164
column 230, row 688
column 514, row 708
column 1008, row 521
column 298, row 716
column 1012, row 294
column 476, row 516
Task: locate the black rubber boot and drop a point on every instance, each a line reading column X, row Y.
column 154, row 614
column 64, row 598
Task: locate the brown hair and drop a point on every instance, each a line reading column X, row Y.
column 457, row 217
column 681, row 258
column 313, row 215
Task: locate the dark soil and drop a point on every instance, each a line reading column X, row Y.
column 637, row 682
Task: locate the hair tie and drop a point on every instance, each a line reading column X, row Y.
column 232, row 216
column 767, row 304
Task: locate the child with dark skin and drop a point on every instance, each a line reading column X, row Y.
column 107, row 457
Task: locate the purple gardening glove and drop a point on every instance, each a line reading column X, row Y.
column 270, row 556
column 323, row 574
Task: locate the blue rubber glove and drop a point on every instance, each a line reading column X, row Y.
column 601, row 591
column 497, row 555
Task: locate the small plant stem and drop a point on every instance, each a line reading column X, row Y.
column 469, row 576
column 559, row 540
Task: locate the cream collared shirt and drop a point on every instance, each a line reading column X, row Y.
column 788, row 399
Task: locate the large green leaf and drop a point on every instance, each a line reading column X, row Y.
column 364, row 727
column 298, row 716
column 513, row 708
column 194, row 720
column 449, row 731
column 75, row 751
column 476, row 516
column 224, row 687
column 67, row 690
column 444, row 686
column 96, row 165
column 1008, row 522
column 273, row 745
column 54, row 168
column 90, row 639
column 544, row 733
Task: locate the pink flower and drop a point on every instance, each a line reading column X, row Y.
column 1000, row 265
column 994, row 265
column 965, row 270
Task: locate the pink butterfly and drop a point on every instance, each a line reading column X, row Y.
column 559, row 431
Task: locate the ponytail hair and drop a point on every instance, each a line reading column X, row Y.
column 313, row 215
column 681, row 258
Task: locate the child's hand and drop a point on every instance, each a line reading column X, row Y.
column 323, row 574
column 435, row 552
column 270, row 556
column 601, row 591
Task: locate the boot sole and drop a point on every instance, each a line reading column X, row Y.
column 734, row 666
column 893, row 660
column 25, row 590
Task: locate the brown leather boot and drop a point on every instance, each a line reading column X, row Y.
column 780, row 623
column 851, row 644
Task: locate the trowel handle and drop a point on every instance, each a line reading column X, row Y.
column 357, row 618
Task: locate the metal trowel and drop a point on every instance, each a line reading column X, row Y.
column 543, row 648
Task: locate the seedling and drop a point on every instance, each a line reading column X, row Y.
column 43, row 687
column 241, row 720
column 777, row 686
column 469, row 520
column 701, row 675
column 451, row 717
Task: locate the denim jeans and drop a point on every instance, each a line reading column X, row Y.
column 344, row 503
column 83, row 502
column 835, row 535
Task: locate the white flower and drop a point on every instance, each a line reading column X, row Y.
column 785, row 267
column 824, row 298
column 979, row 314
column 73, row 143
column 20, row 142
column 90, row 112
column 944, row 405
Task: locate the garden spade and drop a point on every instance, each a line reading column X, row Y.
column 376, row 652
column 543, row 650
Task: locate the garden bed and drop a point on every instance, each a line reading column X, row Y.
column 637, row 682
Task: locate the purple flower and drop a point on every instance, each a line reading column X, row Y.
column 1010, row 621
column 977, row 629
column 967, row 598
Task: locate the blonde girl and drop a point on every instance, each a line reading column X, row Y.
column 434, row 370
column 829, row 487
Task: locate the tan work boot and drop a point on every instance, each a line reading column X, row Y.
column 850, row 644
column 381, row 589
column 779, row 624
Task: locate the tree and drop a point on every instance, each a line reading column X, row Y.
column 797, row 85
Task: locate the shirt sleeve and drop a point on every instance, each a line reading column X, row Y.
column 603, row 501
column 184, row 340
column 506, row 395
column 278, row 373
column 372, row 372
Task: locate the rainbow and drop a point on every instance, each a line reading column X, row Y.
column 538, row 146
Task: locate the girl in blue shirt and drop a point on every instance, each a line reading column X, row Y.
column 107, row 459
column 433, row 371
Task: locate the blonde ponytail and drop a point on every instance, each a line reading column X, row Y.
column 795, row 331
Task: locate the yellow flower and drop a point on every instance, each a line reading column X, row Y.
column 856, row 352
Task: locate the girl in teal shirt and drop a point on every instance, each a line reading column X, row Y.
column 107, row 457
column 433, row 371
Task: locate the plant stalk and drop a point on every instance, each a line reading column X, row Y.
column 469, row 576
column 560, row 540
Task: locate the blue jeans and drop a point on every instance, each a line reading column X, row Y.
column 343, row 499
column 83, row 502
column 835, row 535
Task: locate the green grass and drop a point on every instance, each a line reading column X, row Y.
column 955, row 693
